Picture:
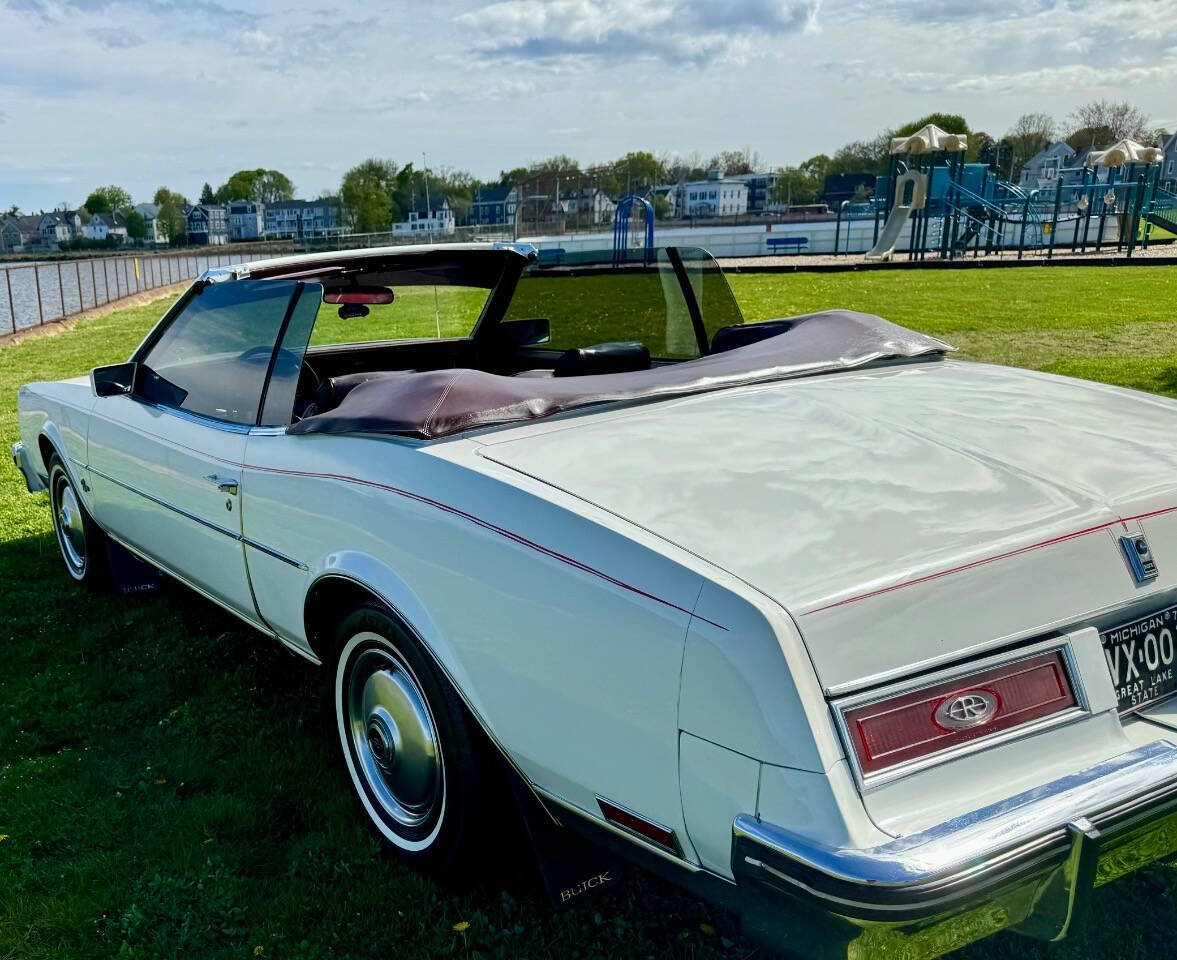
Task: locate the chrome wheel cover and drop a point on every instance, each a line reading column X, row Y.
column 390, row 736
column 69, row 525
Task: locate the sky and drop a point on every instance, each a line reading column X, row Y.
column 144, row 93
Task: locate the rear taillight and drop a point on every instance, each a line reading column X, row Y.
column 915, row 724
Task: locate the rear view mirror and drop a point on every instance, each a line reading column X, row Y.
column 355, row 293
column 528, row 332
column 113, row 380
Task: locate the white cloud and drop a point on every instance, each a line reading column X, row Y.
column 205, row 87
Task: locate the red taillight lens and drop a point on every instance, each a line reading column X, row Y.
column 910, row 726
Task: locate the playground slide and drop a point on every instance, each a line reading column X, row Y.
column 896, row 221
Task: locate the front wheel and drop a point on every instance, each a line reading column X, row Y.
column 406, row 745
column 81, row 542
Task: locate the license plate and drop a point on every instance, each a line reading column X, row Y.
column 1140, row 656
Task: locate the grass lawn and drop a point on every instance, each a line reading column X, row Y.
column 165, row 788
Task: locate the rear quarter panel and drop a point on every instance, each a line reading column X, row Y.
column 565, row 634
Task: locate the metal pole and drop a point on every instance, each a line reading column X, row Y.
column 37, row 280
column 11, row 305
column 838, row 224
column 1025, row 220
column 1103, row 212
column 78, row 273
column 105, row 284
column 1058, row 196
column 1129, row 203
column 60, row 290
column 93, row 283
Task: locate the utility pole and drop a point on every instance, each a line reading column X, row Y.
column 428, row 209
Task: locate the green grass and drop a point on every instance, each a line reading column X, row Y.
column 165, row 786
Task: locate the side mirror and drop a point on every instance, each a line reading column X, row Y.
column 118, row 378
column 528, row 332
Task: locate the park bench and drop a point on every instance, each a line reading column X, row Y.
column 797, row 243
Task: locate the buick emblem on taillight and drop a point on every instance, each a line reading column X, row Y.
column 968, row 709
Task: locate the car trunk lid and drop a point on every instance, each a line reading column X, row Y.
column 904, row 515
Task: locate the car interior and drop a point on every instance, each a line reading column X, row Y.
column 502, row 341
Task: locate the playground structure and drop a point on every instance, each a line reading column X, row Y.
column 622, row 250
column 933, row 202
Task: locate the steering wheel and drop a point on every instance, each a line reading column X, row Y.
column 308, row 385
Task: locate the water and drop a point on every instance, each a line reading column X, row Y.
column 69, row 286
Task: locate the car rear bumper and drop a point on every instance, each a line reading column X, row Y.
column 20, row 457
column 1028, row 862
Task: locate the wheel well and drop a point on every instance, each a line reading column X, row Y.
column 47, row 451
column 329, row 601
column 332, row 598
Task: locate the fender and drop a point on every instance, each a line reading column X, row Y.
column 50, row 434
column 374, row 576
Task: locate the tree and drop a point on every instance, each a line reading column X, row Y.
column 1104, row 122
column 367, row 194
column 862, row 156
column 107, row 199
column 136, row 225
column 732, row 163
column 804, row 183
column 260, row 185
column 1031, row 133
column 206, row 194
column 173, row 225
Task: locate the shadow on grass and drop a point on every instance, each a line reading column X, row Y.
column 169, row 787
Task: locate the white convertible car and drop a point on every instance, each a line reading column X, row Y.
column 847, row 635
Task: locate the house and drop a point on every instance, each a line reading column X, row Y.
column 1044, row 168
column 11, row 239
column 423, row 222
column 154, row 232
column 301, row 219
column 493, row 206
column 1168, row 179
column 103, row 225
column 840, row 187
column 760, row 187
column 29, row 226
column 588, row 205
column 208, row 225
column 671, row 194
column 717, row 196
column 246, row 220
column 55, row 230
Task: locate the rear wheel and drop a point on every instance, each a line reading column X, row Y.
column 81, row 542
column 406, row 745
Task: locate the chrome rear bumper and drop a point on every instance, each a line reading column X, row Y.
column 1056, row 841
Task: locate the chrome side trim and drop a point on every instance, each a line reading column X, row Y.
column 224, row 531
column 212, row 422
column 869, row 782
column 961, row 856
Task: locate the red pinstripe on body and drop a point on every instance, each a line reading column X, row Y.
column 487, row 525
column 984, row 560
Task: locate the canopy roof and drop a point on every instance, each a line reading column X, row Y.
column 1123, row 153
column 929, row 139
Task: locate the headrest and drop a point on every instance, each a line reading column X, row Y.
column 742, row 334
column 603, row 358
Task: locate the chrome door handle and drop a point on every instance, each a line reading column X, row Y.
column 225, row 486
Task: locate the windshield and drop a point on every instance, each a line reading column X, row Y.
column 648, row 304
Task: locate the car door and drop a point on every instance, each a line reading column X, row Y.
column 166, row 459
